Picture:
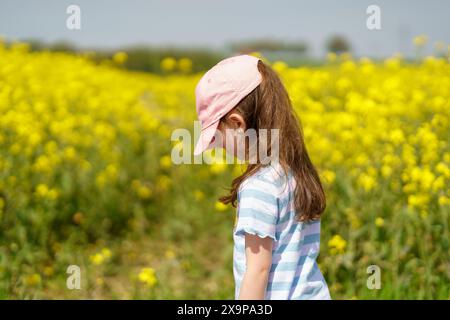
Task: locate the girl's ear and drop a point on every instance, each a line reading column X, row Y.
column 237, row 121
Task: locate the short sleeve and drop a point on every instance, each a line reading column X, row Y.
column 258, row 209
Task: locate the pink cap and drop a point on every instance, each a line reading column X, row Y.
column 220, row 90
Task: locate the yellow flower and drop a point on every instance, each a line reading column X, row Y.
column 386, row 171
column 331, row 56
column 423, row 214
column 111, row 171
column 218, row 167
column 120, row 57
column 15, row 148
column 345, row 56
column 170, row 254
column 329, row 176
column 97, row 259
column 135, row 184
column 220, row 206
column 439, row 184
column 43, row 164
column 32, row 280
column 148, row 277
column 163, row 183
column 99, row 281
column 443, row 200
column 165, row 162
column 144, row 192
column 106, row 253
column 420, row 41
column 70, row 153
column 337, row 244
column 101, row 257
column 397, row 136
column 168, row 64
column 418, row 200
column 367, row 182
column 379, row 222
column 53, row 194
column 442, row 168
column 199, row 195
column 238, row 169
column 279, row 66
column 48, row 271
column 185, row 65
column 42, row 190
column 355, row 222
column 256, row 54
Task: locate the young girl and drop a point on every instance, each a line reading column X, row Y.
column 277, row 230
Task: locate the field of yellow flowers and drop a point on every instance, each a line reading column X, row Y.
column 86, row 178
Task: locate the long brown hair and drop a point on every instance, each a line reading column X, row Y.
column 268, row 106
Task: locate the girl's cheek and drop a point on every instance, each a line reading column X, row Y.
column 228, row 145
column 235, row 145
column 239, row 147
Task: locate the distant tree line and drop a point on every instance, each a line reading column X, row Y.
column 149, row 59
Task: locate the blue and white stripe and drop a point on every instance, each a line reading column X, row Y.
column 266, row 208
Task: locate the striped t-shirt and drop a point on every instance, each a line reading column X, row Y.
column 266, row 208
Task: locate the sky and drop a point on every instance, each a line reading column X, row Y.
column 114, row 24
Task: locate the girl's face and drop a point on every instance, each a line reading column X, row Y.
column 232, row 135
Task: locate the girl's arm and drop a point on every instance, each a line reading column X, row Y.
column 258, row 254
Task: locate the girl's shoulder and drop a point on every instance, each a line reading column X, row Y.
column 270, row 178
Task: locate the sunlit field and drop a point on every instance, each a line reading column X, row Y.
column 86, row 178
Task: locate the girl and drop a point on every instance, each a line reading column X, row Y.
column 277, row 230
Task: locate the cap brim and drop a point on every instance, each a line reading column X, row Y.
column 204, row 141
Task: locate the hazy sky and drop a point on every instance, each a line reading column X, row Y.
column 114, row 23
